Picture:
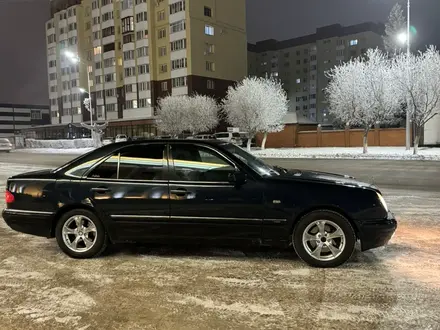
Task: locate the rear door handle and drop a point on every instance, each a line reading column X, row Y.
column 181, row 192
column 100, row 190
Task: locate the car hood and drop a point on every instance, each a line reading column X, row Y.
column 325, row 177
column 41, row 174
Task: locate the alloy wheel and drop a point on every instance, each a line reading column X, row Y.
column 79, row 233
column 324, row 240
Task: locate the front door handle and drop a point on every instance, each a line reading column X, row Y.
column 179, row 192
column 100, row 190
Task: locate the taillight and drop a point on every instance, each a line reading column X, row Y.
column 9, row 197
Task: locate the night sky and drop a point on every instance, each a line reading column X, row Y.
column 22, row 35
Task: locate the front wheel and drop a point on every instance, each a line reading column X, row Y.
column 324, row 239
column 80, row 234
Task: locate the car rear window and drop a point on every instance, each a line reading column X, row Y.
column 222, row 135
column 236, row 135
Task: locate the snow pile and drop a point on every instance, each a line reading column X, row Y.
column 59, row 144
column 396, row 153
column 78, row 151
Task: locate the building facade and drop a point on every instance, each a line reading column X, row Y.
column 133, row 52
column 15, row 117
column 301, row 63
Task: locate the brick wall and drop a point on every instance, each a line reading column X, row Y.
column 351, row 138
column 296, row 136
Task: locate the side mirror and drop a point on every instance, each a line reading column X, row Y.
column 238, row 178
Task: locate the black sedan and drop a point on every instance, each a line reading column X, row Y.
column 196, row 191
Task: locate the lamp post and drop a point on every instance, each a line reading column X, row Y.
column 408, row 53
column 405, row 38
column 74, row 58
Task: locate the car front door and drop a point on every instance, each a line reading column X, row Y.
column 204, row 202
column 131, row 191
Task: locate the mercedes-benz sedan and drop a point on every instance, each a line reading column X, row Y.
column 196, row 191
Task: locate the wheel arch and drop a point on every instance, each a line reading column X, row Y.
column 324, row 208
column 67, row 208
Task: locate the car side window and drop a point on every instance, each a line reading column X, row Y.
column 197, row 163
column 144, row 163
column 107, row 169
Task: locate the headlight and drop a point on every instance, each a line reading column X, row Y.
column 382, row 201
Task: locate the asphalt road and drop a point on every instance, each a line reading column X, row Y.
column 420, row 175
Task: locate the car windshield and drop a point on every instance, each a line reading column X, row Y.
column 253, row 162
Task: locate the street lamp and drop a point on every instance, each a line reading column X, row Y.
column 405, row 38
column 74, row 58
column 408, row 53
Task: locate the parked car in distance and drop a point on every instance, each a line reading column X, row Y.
column 201, row 137
column 5, row 145
column 196, row 191
column 230, row 137
column 138, row 138
column 121, row 138
column 163, row 137
column 107, row 141
column 244, row 138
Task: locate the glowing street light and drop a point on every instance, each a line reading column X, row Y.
column 402, row 38
column 71, row 56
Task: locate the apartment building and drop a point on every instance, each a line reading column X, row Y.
column 133, row 52
column 301, row 63
column 15, row 117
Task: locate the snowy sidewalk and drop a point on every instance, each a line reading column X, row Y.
column 386, row 153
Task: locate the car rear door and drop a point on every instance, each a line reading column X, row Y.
column 204, row 203
column 130, row 189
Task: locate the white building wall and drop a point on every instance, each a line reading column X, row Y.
column 432, row 131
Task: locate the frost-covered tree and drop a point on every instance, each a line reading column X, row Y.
column 256, row 105
column 362, row 92
column 201, row 114
column 346, row 94
column 172, row 114
column 419, row 80
column 396, row 25
column 381, row 87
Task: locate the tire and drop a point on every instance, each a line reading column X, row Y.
column 91, row 231
column 327, row 230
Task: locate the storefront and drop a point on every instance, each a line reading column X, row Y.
column 140, row 128
column 131, row 128
column 56, row 132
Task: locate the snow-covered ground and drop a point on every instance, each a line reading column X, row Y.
column 397, row 153
column 131, row 287
column 77, row 151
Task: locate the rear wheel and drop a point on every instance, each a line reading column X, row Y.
column 324, row 239
column 80, row 234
